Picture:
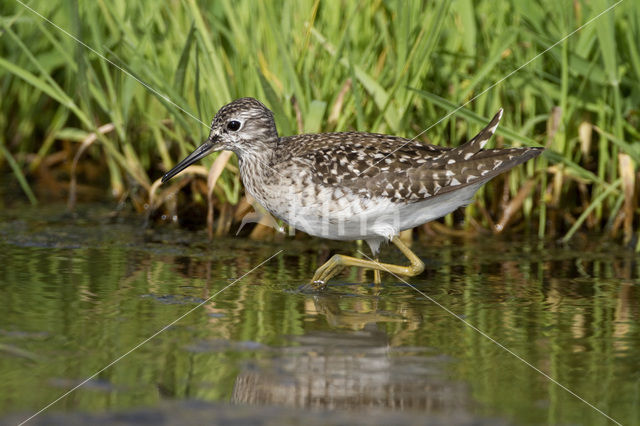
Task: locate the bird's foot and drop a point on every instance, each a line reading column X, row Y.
column 325, row 272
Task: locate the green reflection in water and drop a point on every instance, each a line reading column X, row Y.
column 79, row 293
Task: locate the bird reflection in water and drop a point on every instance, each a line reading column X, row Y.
column 355, row 369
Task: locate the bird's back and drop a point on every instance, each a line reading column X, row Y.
column 401, row 170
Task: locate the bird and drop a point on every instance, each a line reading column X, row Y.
column 353, row 185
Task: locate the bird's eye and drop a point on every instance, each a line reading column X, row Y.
column 233, row 125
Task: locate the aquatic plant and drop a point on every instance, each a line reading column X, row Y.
column 113, row 93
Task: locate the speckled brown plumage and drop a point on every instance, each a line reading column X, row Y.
column 352, row 185
column 375, row 165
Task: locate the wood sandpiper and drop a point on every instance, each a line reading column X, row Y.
column 353, row 185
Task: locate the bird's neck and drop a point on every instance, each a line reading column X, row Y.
column 256, row 167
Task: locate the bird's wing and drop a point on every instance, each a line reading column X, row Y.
column 402, row 170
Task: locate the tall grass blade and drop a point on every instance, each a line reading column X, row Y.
column 17, row 172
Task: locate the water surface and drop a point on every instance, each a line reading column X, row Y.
column 79, row 291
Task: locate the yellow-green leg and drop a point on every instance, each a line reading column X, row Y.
column 337, row 262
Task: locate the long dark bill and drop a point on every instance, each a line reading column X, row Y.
column 203, row 150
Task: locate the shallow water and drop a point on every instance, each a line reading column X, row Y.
column 78, row 292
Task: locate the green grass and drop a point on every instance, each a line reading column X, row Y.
column 393, row 67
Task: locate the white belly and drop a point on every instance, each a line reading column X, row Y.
column 378, row 218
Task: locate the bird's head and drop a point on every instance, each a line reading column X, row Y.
column 244, row 126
